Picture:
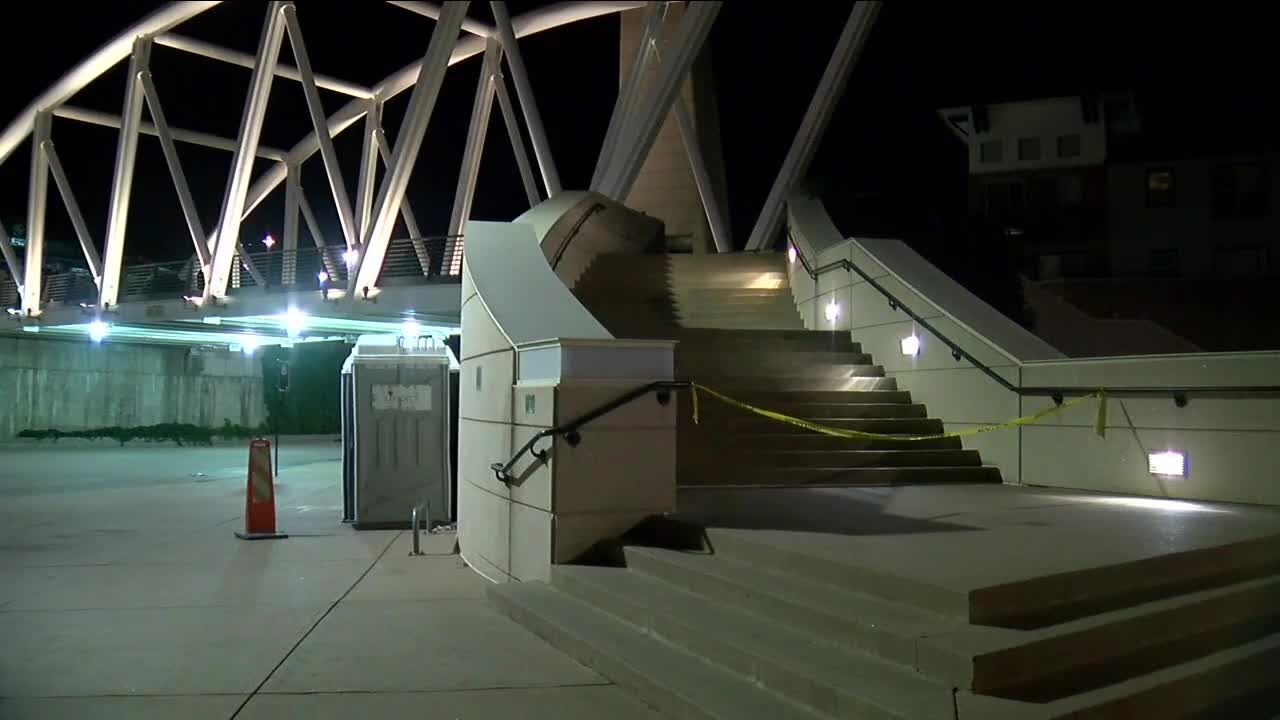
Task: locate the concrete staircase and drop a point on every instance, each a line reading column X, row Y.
column 731, row 628
column 739, row 333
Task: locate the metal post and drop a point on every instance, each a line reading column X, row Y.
column 637, row 137
column 653, row 16
column 292, row 189
column 702, row 178
column 255, row 109
column 327, row 154
column 189, row 211
column 368, row 167
column 528, row 103
column 37, row 200
column 480, row 110
column 852, row 39
column 425, row 93
column 122, row 181
column 517, row 141
column 73, row 209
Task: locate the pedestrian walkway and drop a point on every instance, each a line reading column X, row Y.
column 139, row 603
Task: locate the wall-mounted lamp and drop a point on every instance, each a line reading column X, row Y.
column 792, row 254
column 832, row 311
column 1167, row 463
column 911, row 345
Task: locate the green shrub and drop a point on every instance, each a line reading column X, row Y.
column 181, row 433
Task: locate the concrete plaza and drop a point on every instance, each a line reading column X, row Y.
column 124, row 594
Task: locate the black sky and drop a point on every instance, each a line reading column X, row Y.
column 1201, row 77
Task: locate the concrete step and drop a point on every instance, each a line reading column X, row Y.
column 733, row 476
column 759, row 361
column 831, row 680
column 735, row 384
column 765, row 442
column 755, row 424
column 1091, row 653
column 672, row 680
column 1235, row 683
column 794, row 339
column 853, row 620
column 816, row 411
column 775, row 398
column 748, row 457
column 712, row 377
column 746, row 323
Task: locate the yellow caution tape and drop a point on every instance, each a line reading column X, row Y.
column 1099, row 426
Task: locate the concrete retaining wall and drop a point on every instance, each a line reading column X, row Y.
column 76, row 385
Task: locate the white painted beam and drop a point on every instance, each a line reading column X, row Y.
column 255, row 109
column 193, row 137
column 444, row 36
column 432, row 10
column 189, row 211
column 528, row 103
column 814, row 124
column 629, row 89
column 517, row 141
column 73, row 209
column 474, row 150
column 122, row 179
column 11, row 258
column 244, row 59
column 37, row 201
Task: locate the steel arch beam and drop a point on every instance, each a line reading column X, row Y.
column 244, row 59
column 122, row 179
column 528, row 103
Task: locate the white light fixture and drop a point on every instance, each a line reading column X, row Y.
column 211, row 320
column 249, row 344
column 350, row 257
column 13, row 311
column 269, row 241
column 98, row 330
column 294, row 320
column 1168, row 463
column 410, row 329
column 791, row 253
column 911, row 345
column 323, row 277
column 832, row 311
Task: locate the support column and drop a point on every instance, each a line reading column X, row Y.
column 702, row 178
column 292, row 189
column 528, row 103
column 122, row 181
column 517, row 141
column 425, row 93
column 37, row 199
column 814, row 125
column 189, row 212
column 328, row 155
column 654, row 13
column 73, row 209
column 480, row 110
column 255, row 109
column 368, row 167
column 638, row 136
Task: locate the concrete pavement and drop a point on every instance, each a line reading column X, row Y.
column 124, row 594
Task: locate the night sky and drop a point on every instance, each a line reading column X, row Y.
column 1200, row 78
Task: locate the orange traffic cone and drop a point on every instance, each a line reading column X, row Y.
column 260, row 497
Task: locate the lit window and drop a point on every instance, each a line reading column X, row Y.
column 1029, row 149
column 1069, row 145
column 1161, row 187
column 991, row 151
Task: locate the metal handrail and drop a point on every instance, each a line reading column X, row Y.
column 1057, row 393
column 569, row 430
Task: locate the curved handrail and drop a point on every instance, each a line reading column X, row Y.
column 1057, row 393
column 573, row 232
column 569, row 430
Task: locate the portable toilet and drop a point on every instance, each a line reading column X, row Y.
column 396, row 411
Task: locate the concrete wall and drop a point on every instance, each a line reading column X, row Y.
column 1227, row 439
column 533, row 358
column 76, row 385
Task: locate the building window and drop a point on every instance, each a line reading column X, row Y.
column 991, row 151
column 1006, row 201
column 1070, row 191
column 1164, row 262
column 1069, row 145
column 1029, row 149
column 1241, row 261
column 1161, row 188
column 1240, row 191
